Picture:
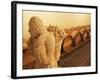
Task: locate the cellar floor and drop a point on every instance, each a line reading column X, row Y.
column 79, row 57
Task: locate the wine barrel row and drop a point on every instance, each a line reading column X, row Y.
column 76, row 36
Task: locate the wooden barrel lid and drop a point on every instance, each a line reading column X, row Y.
column 85, row 35
column 67, row 43
column 78, row 38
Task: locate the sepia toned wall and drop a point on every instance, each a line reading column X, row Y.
column 57, row 19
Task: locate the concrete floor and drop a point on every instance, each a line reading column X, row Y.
column 79, row 57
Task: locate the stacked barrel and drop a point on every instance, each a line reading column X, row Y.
column 75, row 37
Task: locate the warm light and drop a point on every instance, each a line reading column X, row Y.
column 59, row 19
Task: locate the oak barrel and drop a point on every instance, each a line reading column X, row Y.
column 78, row 38
column 67, row 44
